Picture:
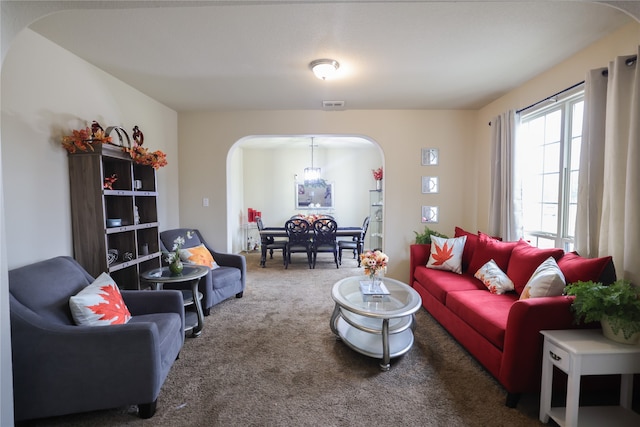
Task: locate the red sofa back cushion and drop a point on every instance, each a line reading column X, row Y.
column 576, row 268
column 524, row 261
column 488, row 249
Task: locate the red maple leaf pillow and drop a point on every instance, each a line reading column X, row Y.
column 446, row 254
column 99, row 304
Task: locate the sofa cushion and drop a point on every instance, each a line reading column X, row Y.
column 439, row 282
column 524, row 261
column 198, row 255
column 99, row 304
column 469, row 246
column 484, row 312
column 576, row 268
column 493, row 278
column 446, row 254
column 489, row 248
column 547, row 281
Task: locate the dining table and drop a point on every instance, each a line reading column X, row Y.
column 281, row 232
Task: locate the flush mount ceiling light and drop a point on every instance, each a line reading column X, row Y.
column 324, row 68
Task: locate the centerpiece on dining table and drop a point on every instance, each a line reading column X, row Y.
column 374, row 263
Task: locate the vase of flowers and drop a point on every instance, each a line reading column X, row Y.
column 374, row 262
column 173, row 258
column 377, row 175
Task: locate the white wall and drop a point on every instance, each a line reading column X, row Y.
column 48, row 92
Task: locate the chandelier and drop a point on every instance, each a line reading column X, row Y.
column 312, row 174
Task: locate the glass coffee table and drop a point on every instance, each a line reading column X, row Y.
column 376, row 326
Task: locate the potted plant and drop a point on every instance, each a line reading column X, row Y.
column 424, row 238
column 616, row 306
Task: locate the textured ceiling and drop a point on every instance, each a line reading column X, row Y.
column 394, row 55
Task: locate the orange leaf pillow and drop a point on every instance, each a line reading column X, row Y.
column 99, row 304
column 446, row 254
column 198, row 255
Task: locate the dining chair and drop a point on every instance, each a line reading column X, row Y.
column 299, row 233
column 324, row 239
column 356, row 245
column 269, row 243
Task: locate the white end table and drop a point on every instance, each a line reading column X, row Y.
column 587, row 352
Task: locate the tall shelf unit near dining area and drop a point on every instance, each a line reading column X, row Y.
column 114, row 214
column 375, row 233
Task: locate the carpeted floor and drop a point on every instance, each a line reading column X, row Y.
column 270, row 359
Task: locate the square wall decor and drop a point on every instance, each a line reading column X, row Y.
column 429, row 156
column 429, row 184
column 430, row 214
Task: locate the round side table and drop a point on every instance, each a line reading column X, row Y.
column 190, row 277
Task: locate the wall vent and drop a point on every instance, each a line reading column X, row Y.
column 333, row 105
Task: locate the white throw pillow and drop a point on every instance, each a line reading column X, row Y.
column 546, row 281
column 99, row 304
column 446, row 254
column 494, row 279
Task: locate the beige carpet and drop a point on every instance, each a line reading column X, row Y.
column 270, row 359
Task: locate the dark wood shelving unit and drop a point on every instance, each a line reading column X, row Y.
column 92, row 205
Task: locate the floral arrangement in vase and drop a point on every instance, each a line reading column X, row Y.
column 377, row 175
column 173, row 258
column 374, row 262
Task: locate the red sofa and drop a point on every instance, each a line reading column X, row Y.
column 501, row 331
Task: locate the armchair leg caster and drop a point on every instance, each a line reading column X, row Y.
column 239, row 295
column 147, row 410
column 207, row 311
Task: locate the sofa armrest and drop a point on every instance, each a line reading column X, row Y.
column 419, row 255
column 232, row 260
column 520, row 370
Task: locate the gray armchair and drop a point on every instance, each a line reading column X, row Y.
column 219, row 284
column 61, row 368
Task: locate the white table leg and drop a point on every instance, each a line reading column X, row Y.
column 573, row 393
column 546, row 385
column 626, row 390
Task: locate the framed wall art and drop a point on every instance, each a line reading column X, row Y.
column 429, row 156
column 429, row 214
column 429, row 184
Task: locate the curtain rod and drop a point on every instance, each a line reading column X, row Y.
column 550, row 97
column 629, row 62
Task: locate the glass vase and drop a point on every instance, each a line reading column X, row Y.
column 374, row 283
column 176, row 266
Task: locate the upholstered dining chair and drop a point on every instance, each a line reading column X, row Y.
column 324, row 239
column 300, row 233
column 356, row 245
column 227, row 279
column 269, row 243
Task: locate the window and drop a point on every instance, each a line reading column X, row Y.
column 548, row 157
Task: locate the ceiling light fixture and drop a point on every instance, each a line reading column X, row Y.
column 324, row 68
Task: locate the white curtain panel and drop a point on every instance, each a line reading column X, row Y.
column 591, row 178
column 505, row 210
column 617, row 232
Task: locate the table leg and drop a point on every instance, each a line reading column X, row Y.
column 197, row 330
column 334, row 319
column 263, row 255
column 385, row 364
column 573, row 393
column 546, row 385
column 626, row 390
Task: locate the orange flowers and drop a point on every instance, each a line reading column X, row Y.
column 141, row 155
column 83, row 139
